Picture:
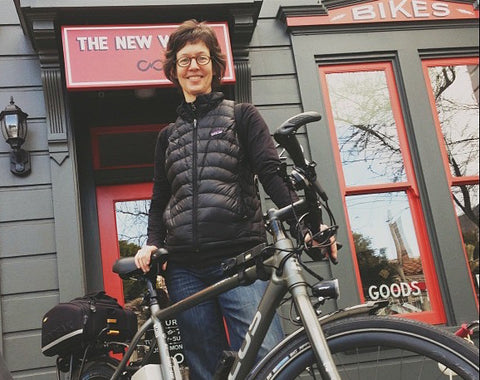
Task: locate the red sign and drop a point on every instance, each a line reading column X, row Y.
column 100, row 57
column 390, row 11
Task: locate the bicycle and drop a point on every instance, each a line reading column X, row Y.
column 350, row 343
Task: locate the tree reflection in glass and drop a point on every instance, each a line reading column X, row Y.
column 387, row 251
column 455, row 89
column 365, row 127
column 456, row 92
column 132, row 219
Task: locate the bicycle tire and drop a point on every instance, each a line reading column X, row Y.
column 375, row 348
column 97, row 370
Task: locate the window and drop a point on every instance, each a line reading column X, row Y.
column 453, row 85
column 124, row 147
column 392, row 253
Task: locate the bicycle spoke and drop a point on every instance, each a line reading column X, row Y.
column 421, row 369
column 357, row 353
column 401, row 365
column 377, row 361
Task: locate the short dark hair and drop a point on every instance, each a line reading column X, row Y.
column 192, row 31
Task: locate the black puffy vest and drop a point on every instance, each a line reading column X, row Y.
column 214, row 202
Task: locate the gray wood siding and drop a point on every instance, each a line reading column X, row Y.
column 16, row 43
column 9, row 66
column 37, row 202
column 274, row 83
column 28, row 262
column 8, row 15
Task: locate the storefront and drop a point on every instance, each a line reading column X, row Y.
column 389, row 118
column 397, row 147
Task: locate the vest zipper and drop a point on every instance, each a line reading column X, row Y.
column 195, row 189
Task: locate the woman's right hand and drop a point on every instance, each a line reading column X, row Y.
column 142, row 258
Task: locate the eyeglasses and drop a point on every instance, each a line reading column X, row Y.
column 201, row 60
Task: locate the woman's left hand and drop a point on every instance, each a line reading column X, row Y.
column 331, row 251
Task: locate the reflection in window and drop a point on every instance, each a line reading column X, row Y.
column 455, row 89
column 132, row 220
column 366, row 129
column 456, row 93
column 468, row 220
column 387, row 251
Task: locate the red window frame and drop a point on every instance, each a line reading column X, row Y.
column 452, row 180
column 107, row 196
column 436, row 315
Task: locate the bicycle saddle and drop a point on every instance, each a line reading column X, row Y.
column 125, row 266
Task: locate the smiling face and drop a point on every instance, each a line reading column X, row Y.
column 194, row 79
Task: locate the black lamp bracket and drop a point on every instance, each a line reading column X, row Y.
column 20, row 162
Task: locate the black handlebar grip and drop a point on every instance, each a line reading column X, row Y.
column 159, row 254
column 291, row 125
column 285, row 135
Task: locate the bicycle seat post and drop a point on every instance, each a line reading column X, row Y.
column 166, row 365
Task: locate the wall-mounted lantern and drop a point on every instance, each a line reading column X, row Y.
column 13, row 122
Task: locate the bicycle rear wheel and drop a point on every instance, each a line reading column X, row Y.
column 369, row 348
column 100, row 369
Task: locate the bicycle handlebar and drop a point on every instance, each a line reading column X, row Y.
column 285, row 135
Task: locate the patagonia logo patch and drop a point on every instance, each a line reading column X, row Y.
column 216, row 132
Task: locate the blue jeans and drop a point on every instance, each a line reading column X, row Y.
column 202, row 327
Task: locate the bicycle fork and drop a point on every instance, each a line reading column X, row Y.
column 292, row 274
column 314, row 332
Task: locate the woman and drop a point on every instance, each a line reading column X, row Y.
column 204, row 205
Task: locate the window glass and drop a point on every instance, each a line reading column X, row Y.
column 132, row 220
column 365, row 127
column 466, row 204
column 387, row 251
column 455, row 90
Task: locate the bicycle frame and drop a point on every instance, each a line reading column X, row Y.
column 290, row 279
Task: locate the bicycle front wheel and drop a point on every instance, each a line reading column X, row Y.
column 376, row 348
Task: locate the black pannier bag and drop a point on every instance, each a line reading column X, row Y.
column 71, row 326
